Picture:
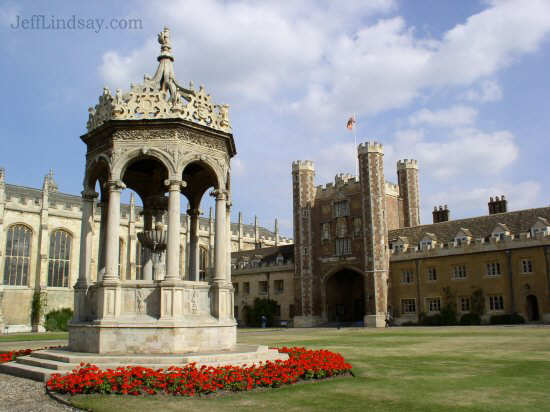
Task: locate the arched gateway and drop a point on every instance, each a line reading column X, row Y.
column 161, row 140
column 345, row 296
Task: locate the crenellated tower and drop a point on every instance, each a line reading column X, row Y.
column 407, row 178
column 303, row 195
column 376, row 257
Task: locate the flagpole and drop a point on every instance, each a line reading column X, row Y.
column 355, row 148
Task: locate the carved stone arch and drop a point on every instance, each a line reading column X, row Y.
column 91, row 174
column 325, row 277
column 62, row 229
column 125, row 159
column 208, row 161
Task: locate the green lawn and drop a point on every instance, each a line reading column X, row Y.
column 25, row 337
column 400, row 369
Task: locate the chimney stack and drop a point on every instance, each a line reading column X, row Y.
column 497, row 205
column 441, row 215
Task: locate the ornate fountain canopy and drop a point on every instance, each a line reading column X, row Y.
column 160, row 97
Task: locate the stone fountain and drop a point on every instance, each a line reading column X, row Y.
column 162, row 140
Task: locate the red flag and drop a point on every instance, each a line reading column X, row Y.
column 350, row 123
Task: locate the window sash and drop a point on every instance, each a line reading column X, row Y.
column 17, row 260
column 408, row 305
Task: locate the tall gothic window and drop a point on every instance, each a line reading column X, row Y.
column 59, row 262
column 18, row 252
column 203, row 259
column 140, row 256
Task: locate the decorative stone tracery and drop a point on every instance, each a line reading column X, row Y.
column 160, row 140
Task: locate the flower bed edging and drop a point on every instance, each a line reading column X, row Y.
column 189, row 380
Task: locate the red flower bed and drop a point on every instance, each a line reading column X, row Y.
column 191, row 381
column 10, row 356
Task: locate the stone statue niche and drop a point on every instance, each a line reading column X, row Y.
column 162, row 141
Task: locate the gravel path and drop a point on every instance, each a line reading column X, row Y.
column 18, row 395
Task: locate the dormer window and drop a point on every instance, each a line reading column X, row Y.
column 541, row 226
column 428, row 242
column 500, row 232
column 463, row 237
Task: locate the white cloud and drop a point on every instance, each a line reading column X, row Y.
column 237, row 167
column 323, row 62
column 469, row 202
column 466, row 152
column 451, row 117
column 488, row 91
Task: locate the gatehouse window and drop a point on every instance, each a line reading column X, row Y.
column 407, row 276
column 432, row 274
column 357, row 227
column 408, row 305
column 496, row 303
column 18, row 252
column 343, row 247
column 493, row 269
column 526, row 266
column 246, row 287
column 341, row 208
column 59, row 262
column 459, row 272
column 325, row 231
column 433, row 304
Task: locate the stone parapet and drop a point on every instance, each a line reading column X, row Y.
column 370, row 147
column 407, row 164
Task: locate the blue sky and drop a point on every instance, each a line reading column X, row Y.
column 461, row 86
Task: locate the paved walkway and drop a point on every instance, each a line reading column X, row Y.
column 19, row 394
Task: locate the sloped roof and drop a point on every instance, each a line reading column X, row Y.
column 267, row 255
column 480, row 227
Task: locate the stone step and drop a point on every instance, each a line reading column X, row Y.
column 26, row 371
column 94, row 359
column 46, row 363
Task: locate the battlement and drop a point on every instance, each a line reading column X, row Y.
column 302, row 165
column 407, row 164
column 344, row 178
column 370, row 147
column 392, row 189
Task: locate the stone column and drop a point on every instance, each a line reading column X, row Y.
column 102, row 240
column 112, row 232
column 219, row 243
column 86, row 236
column 228, row 234
column 86, row 239
column 194, row 244
column 147, row 258
column 173, row 241
column 132, row 241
